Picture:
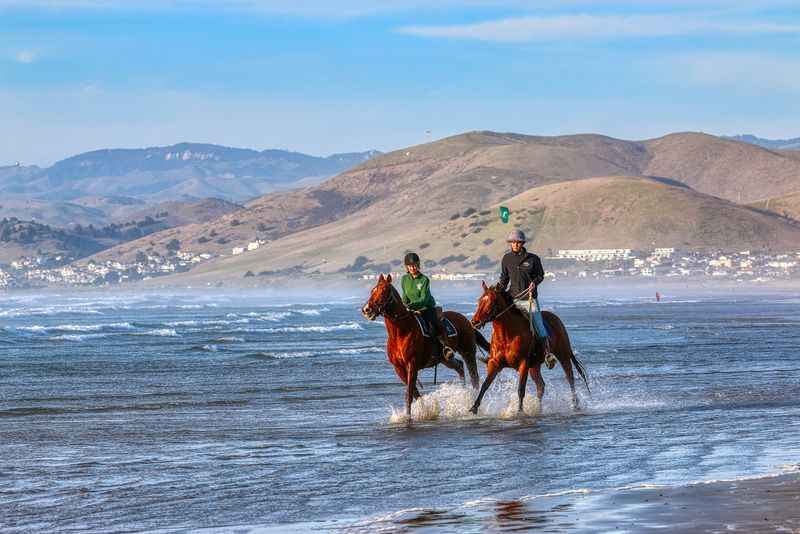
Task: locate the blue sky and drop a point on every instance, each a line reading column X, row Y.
column 324, row 77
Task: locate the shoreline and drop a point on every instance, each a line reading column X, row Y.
column 770, row 503
column 555, row 288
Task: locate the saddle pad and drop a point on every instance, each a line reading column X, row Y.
column 449, row 328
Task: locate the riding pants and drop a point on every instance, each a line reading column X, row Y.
column 536, row 320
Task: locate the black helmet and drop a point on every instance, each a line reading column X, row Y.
column 411, row 259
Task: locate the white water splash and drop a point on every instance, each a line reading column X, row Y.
column 452, row 401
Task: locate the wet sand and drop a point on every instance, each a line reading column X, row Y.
column 770, row 504
column 756, row 505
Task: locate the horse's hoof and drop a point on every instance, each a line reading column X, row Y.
column 474, row 410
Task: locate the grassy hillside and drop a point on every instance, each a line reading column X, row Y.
column 604, row 212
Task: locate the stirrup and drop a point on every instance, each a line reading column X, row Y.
column 447, row 353
column 550, row 360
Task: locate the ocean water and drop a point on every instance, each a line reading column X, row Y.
column 249, row 412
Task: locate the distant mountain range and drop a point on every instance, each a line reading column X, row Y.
column 774, row 144
column 186, row 171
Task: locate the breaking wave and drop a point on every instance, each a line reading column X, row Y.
column 318, row 329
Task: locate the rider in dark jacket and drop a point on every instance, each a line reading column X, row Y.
column 521, row 271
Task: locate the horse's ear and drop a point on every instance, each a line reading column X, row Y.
column 389, row 278
column 483, row 286
column 380, row 278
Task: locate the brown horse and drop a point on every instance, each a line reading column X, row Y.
column 408, row 350
column 513, row 345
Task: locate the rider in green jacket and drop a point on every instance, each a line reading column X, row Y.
column 417, row 298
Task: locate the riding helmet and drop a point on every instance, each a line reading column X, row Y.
column 411, row 259
column 516, row 235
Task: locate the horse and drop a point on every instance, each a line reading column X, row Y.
column 513, row 345
column 408, row 350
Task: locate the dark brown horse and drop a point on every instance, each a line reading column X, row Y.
column 408, row 350
column 513, row 345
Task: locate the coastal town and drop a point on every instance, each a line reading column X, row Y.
column 661, row 263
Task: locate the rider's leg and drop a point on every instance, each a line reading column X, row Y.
column 436, row 335
column 541, row 331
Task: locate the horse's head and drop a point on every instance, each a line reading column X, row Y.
column 379, row 298
column 489, row 305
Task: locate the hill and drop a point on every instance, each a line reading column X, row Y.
column 52, row 213
column 177, row 172
column 773, row 144
column 174, row 213
column 425, row 182
column 728, row 169
column 27, row 238
column 600, row 212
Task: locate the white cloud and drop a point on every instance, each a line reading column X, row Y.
column 26, row 56
column 736, row 71
column 520, row 29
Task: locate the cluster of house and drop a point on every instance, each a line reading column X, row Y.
column 661, row 262
column 671, row 263
column 46, row 270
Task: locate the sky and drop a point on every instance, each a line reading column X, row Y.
column 324, row 76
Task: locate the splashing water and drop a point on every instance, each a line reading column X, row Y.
column 451, row 402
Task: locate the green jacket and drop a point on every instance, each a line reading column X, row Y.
column 417, row 292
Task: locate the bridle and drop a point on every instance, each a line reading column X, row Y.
column 382, row 308
column 496, row 316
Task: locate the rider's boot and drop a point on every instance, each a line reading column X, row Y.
column 549, row 358
column 446, row 351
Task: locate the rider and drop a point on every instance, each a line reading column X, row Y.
column 523, row 270
column 417, row 298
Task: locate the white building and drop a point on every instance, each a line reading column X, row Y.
column 664, row 252
column 598, row 254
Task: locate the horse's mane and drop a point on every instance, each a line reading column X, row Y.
column 508, row 300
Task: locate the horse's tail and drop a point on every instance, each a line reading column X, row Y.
column 581, row 370
column 556, row 320
column 482, row 343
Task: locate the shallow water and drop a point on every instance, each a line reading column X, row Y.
column 124, row 412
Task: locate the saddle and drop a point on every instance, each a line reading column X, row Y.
column 427, row 328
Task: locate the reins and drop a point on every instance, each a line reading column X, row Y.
column 523, row 294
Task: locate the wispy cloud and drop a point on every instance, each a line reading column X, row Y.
column 552, row 28
column 736, row 71
column 25, row 56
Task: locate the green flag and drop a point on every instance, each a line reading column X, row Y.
column 504, row 214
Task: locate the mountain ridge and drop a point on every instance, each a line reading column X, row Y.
column 175, row 172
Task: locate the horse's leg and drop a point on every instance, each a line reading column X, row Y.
column 523, row 381
column 411, row 387
column 492, row 369
column 567, row 365
column 456, row 366
column 472, row 366
column 536, row 376
column 401, row 373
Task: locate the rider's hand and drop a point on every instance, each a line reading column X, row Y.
column 532, row 286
